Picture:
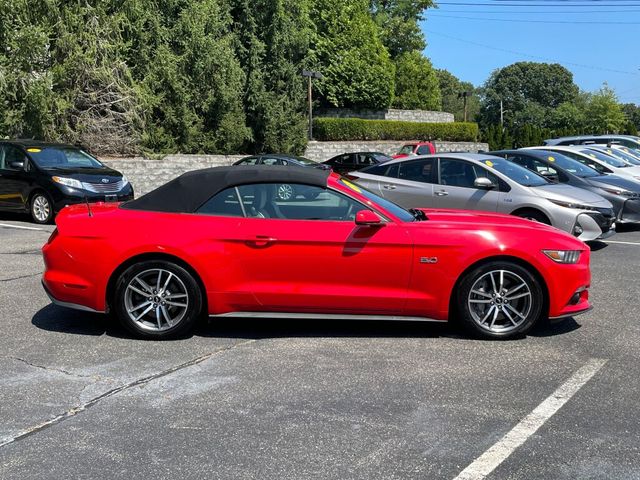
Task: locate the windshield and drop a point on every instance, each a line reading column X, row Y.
column 305, row 161
column 622, row 155
column 614, row 162
column 381, row 157
column 515, row 172
column 396, row 210
column 62, row 157
column 407, row 149
column 572, row 166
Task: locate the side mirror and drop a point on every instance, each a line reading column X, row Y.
column 368, row 217
column 484, row 183
column 17, row 165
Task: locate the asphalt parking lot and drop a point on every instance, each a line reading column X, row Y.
column 319, row 399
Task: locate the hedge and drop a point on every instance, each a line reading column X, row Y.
column 336, row 129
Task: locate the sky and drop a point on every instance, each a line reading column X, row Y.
column 605, row 47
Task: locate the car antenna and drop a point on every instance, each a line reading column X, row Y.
column 86, row 199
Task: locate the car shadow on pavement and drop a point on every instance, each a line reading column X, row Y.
column 15, row 217
column 64, row 320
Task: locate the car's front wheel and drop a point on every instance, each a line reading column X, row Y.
column 41, row 208
column 157, row 299
column 500, row 300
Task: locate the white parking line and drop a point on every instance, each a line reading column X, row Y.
column 19, row 227
column 498, row 453
column 622, row 243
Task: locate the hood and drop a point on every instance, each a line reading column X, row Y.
column 615, row 181
column 90, row 175
column 569, row 194
column 494, row 228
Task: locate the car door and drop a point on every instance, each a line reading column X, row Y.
column 312, row 257
column 14, row 181
column 456, row 186
column 410, row 183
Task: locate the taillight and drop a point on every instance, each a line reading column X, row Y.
column 53, row 235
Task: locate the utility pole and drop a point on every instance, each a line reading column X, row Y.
column 501, row 115
column 464, row 95
column 317, row 75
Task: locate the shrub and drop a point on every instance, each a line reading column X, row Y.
column 336, row 129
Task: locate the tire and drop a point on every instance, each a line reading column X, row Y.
column 169, row 312
column 41, row 208
column 286, row 192
column 533, row 215
column 502, row 307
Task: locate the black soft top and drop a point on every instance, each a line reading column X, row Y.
column 189, row 191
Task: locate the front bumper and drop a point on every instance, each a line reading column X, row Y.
column 71, row 196
column 630, row 211
column 595, row 225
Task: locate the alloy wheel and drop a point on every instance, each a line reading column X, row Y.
column 40, row 208
column 156, row 300
column 285, row 192
column 500, row 301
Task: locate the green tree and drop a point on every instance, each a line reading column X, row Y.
column 274, row 46
column 604, row 113
column 399, row 23
column 522, row 84
column 452, row 90
column 347, row 49
column 416, row 83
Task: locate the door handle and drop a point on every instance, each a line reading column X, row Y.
column 389, row 187
column 441, row 193
column 262, row 240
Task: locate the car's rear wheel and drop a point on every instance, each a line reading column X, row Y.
column 500, row 299
column 157, row 299
column 41, row 208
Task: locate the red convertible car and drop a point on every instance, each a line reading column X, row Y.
column 218, row 241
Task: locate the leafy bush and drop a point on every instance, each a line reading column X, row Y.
column 336, row 129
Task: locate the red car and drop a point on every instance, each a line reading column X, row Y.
column 218, row 241
column 418, row 148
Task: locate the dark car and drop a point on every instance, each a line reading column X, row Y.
column 42, row 178
column 349, row 162
column 286, row 191
column 624, row 194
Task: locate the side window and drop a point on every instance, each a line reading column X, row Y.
column 365, row 160
column 2, row 147
column 248, row 161
column 543, row 168
column 483, row 172
column 225, row 203
column 383, row 170
column 424, row 150
column 588, row 162
column 457, row 173
column 270, row 161
column 418, row 170
column 519, row 160
column 12, row 154
column 308, row 202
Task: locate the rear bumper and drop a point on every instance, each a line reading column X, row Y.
column 75, row 306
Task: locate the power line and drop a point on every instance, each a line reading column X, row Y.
column 546, row 5
column 514, row 52
column 585, row 22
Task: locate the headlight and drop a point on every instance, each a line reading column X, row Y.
column 69, row 182
column 563, row 256
column 624, row 193
column 573, row 205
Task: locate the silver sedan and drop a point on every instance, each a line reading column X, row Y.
column 484, row 182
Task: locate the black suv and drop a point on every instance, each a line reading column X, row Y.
column 42, row 178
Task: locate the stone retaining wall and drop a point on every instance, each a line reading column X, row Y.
column 321, row 151
column 423, row 116
column 145, row 174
